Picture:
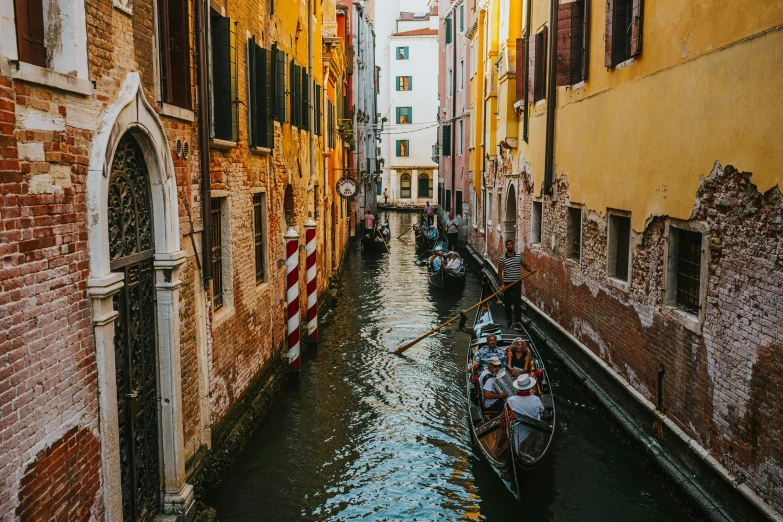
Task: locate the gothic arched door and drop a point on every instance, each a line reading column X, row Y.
column 131, row 250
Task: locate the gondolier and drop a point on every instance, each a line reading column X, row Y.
column 509, row 270
column 452, row 231
column 369, row 223
column 429, row 212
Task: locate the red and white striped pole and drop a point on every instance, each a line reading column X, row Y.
column 292, row 296
column 312, row 284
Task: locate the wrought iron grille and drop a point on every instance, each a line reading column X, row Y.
column 216, row 214
column 258, row 221
column 131, row 253
column 689, row 270
column 622, row 226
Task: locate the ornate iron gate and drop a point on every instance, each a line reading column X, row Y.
column 131, row 249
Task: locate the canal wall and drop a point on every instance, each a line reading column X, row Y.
column 706, row 484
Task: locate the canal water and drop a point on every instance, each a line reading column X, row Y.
column 366, row 435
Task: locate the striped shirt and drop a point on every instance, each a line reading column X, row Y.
column 511, row 266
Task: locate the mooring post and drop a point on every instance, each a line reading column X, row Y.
column 661, row 374
column 292, row 297
column 312, row 284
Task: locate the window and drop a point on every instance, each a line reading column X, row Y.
column 449, row 82
column 474, row 59
column 405, row 83
column 535, row 66
column 623, row 34
column 379, row 187
column 462, row 18
column 488, row 215
column 472, row 129
column 425, row 186
column 402, row 53
column 30, row 32
column 473, row 213
column 305, row 100
column 574, row 234
column 260, row 109
column 259, row 235
column 402, row 149
column 295, row 91
column 405, row 186
column 448, row 200
column 404, row 115
column 572, row 43
column 458, row 203
column 685, row 259
column 448, row 31
column 446, row 139
column 317, row 111
column 225, row 72
column 619, row 246
column 174, row 48
column 216, row 211
column 500, row 208
column 281, row 114
column 459, row 138
column 537, row 222
column 461, row 75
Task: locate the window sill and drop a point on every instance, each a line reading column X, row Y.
column 42, row 76
column 539, row 103
column 261, row 151
column 625, row 286
column 221, row 316
column 578, row 85
column 222, row 144
column 178, row 113
column 623, row 65
column 573, row 262
column 481, row 230
column 688, row 320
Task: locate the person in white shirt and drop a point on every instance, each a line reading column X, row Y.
column 526, row 403
column 453, row 262
column 493, row 400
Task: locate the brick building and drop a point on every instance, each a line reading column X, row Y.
column 638, row 180
column 142, row 302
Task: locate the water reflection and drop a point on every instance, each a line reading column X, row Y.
column 368, row 435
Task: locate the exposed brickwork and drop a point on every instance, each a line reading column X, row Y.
column 62, row 482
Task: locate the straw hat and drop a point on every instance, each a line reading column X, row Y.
column 524, row 382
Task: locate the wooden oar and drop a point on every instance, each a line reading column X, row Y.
column 406, row 231
column 404, row 347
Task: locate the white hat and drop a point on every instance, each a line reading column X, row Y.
column 524, row 382
column 494, row 361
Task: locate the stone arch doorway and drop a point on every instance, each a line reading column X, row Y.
column 134, row 250
column 510, row 217
column 131, row 253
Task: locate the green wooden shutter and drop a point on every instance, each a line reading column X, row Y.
column 398, row 148
column 306, row 85
column 398, row 83
column 268, row 123
column 280, row 85
column 448, row 31
column 223, row 76
column 446, row 137
column 398, row 114
column 462, row 18
column 252, row 91
column 410, row 83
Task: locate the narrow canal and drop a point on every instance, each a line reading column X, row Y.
column 368, row 435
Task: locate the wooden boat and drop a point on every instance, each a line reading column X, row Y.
column 423, row 244
column 404, row 207
column 444, row 278
column 375, row 242
column 512, row 444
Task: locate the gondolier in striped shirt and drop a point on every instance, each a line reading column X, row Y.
column 509, row 270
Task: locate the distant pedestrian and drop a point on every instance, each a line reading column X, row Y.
column 386, row 196
column 429, row 212
column 452, row 231
column 509, row 270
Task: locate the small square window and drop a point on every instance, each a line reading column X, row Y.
column 574, row 234
column 619, row 247
column 537, row 222
column 405, row 83
column 402, row 53
column 403, row 149
column 404, row 115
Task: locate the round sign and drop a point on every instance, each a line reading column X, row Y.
column 346, row 187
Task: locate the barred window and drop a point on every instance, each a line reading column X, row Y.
column 259, row 235
column 688, row 270
column 217, row 252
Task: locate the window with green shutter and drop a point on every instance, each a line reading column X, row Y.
column 448, row 31
column 281, row 62
column 402, row 53
column 404, row 115
column 462, row 18
column 403, row 148
column 260, row 110
column 446, row 140
column 404, row 83
column 224, row 78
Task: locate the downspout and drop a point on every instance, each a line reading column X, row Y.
column 203, row 137
column 551, row 102
column 454, row 118
column 526, row 118
column 310, row 101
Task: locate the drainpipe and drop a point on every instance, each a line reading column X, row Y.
column 454, row 117
column 203, row 137
column 526, row 118
column 310, row 105
column 551, row 102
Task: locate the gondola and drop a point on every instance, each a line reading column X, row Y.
column 405, row 207
column 443, row 278
column 423, row 243
column 493, row 433
column 375, row 242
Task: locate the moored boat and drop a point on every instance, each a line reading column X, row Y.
column 405, row 207
column 509, row 442
column 377, row 241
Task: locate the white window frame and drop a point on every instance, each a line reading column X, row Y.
column 578, row 260
column 450, row 83
column 539, row 204
column 462, row 75
column 611, row 249
column 460, row 138
column 690, row 321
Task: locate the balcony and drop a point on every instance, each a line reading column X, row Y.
column 435, row 153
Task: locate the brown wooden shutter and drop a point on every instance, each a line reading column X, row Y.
column 520, row 68
column 636, row 27
column 163, row 51
column 531, row 68
column 586, row 40
column 179, row 52
column 30, row 31
column 570, row 40
column 537, row 66
column 608, row 37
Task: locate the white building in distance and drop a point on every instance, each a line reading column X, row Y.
column 407, row 52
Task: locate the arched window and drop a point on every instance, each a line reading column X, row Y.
column 405, row 186
column 425, row 186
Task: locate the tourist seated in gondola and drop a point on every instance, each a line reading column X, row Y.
column 384, row 229
column 519, row 359
column 436, row 261
column 526, row 403
column 453, row 262
column 432, row 232
column 484, row 353
column 494, row 399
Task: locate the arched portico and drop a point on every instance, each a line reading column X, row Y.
column 131, row 114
